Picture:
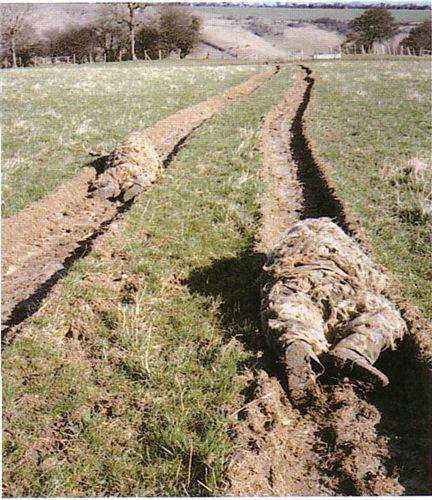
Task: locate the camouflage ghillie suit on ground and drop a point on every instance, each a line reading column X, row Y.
column 324, row 294
column 130, row 168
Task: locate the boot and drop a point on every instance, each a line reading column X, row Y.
column 301, row 378
column 356, row 366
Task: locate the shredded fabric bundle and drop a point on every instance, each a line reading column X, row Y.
column 131, row 167
column 323, row 291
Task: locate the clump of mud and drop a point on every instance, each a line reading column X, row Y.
column 351, row 448
column 130, row 168
column 274, row 454
column 331, row 449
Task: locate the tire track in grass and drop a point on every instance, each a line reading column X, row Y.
column 121, row 384
column 42, row 242
column 398, row 415
column 356, row 443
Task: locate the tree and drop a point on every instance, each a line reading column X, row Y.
column 374, row 25
column 16, row 32
column 78, row 41
column 111, row 37
column 175, row 29
column 127, row 15
column 419, row 38
column 148, row 41
column 179, row 30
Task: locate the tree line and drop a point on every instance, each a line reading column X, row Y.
column 118, row 32
column 313, row 5
column 378, row 25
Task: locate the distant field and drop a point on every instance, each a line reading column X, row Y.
column 53, row 117
column 308, row 14
column 371, row 124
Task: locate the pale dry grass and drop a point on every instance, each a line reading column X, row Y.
column 309, row 39
column 236, row 40
column 414, row 178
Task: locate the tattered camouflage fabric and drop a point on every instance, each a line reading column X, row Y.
column 323, row 290
column 130, row 168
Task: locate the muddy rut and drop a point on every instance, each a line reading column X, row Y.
column 359, row 441
column 41, row 242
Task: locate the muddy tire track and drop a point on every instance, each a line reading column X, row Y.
column 41, row 242
column 356, row 441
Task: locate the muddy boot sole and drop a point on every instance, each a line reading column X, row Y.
column 355, row 366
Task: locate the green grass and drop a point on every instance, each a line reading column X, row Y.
column 371, row 123
column 123, row 383
column 53, row 117
column 297, row 14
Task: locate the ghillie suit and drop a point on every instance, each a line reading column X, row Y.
column 129, row 169
column 323, row 294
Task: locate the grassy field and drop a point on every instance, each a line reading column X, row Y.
column 53, row 117
column 371, row 122
column 400, row 15
column 124, row 381
column 123, row 384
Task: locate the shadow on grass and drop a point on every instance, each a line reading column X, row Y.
column 235, row 282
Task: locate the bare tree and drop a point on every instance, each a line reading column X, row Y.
column 15, row 29
column 127, row 15
column 111, row 35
